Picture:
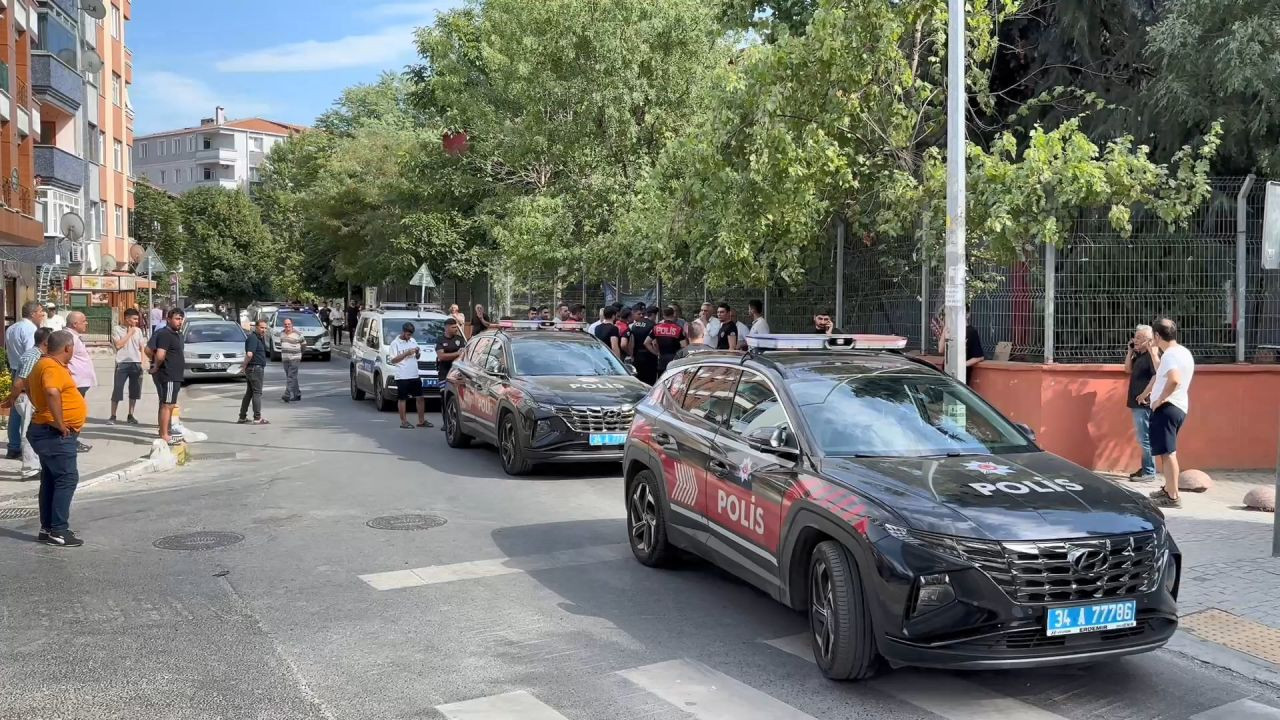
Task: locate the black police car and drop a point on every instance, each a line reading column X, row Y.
column 542, row 392
column 909, row 518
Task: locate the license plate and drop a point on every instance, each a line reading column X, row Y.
column 1091, row 618
column 432, row 383
column 217, row 366
column 608, row 438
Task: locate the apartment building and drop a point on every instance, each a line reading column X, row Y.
column 20, row 228
column 217, row 152
column 109, row 139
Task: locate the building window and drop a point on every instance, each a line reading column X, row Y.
column 117, row 24
column 56, row 203
column 191, row 143
column 100, row 212
column 208, row 144
column 128, row 160
column 95, row 230
column 117, row 155
column 161, row 147
column 57, row 39
column 178, row 175
column 164, row 177
column 255, row 144
column 254, row 176
column 143, row 150
column 119, row 221
column 115, row 89
column 100, row 154
column 208, row 173
column 176, row 146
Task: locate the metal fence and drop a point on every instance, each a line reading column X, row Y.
column 1100, row 284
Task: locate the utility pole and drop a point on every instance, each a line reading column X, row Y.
column 955, row 276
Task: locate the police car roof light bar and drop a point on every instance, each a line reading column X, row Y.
column 809, row 341
column 540, row 325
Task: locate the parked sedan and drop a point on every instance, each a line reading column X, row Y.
column 214, row 349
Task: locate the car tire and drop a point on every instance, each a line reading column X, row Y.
column 510, row 448
column 647, row 522
column 380, row 400
column 453, row 424
column 326, row 356
column 840, row 626
column 356, row 393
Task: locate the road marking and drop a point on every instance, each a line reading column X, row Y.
column 519, row 704
column 708, row 694
column 937, row 692
column 475, row 569
column 1239, row 710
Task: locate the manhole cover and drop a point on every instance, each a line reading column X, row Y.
column 406, row 522
column 18, row 513
column 198, row 540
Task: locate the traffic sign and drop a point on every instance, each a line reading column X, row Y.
column 423, row 278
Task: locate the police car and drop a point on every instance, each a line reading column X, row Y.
column 541, row 391
column 910, row 520
column 370, row 371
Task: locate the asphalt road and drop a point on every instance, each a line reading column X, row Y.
column 525, row 603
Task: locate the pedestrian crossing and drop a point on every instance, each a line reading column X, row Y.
column 701, row 692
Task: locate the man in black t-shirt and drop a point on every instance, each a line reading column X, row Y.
column 168, row 365
column 1140, row 361
column 666, row 339
column 638, row 332
column 479, row 321
column 607, row 332
column 727, row 336
column 823, row 324
column 448, row 349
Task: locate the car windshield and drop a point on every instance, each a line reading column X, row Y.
column 301, row 320
column 425, row 331
column 900, row 415
column 218, row 332
column 551, row 356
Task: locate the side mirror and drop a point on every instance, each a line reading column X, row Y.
column 631, row 369
column 775, row 440
column 1026, row 430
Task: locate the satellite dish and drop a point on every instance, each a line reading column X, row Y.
column 72, row 226
column 108, row 263
column 67, row 55
column 92, row 60
column 94, row 8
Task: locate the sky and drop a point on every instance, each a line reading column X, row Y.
column 280, row 59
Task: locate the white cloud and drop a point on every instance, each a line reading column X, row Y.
column 382, row 48
column 167, row 101
column 425, row 10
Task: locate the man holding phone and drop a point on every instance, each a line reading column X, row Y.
column 1141, row 361
column 405, row 352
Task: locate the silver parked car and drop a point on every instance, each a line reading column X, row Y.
column 214, row 349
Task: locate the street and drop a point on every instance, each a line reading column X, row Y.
column 524, row 603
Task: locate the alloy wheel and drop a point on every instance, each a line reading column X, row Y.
column 821, row 606
column 451, row 419
column 642, row 514
column 507, row 448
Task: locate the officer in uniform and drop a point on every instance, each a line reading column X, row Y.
column 646, row 362
column 665, row 339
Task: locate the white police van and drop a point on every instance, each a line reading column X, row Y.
column 371, row 373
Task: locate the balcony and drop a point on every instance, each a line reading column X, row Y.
column 24, row 121
column 55, row 83
column 68, row 7
column 22, row 199
column 35, row 116
column 221, row 156
column 228, row 183
column 59, row 168
column 20, row 18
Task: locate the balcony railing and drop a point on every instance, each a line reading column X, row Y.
column 24, row 93
column 59, row 168
column 23, row 199
column 54, row 81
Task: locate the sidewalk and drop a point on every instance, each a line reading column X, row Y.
column 1229, row 599
column 114, row 447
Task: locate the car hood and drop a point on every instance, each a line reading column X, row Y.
column 213, row 348
column 586, row 390
column 1023, row 496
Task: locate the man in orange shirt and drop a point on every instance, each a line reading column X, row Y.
column 60, row 413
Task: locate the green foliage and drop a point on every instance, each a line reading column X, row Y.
column 157, row 222
column 229, row 252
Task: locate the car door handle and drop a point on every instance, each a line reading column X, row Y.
column 718, row 467
column 662, row 438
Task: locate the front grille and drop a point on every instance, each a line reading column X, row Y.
column 595, row 419
column 1035, row 638
column 426, row 364
column 1043, row 571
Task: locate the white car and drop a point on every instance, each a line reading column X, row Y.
column 313, row 332
column 213, row 349
column 370, row 351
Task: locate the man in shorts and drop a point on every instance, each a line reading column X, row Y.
column 128, row 343
column 404, row 352
column 1169, row 397
column 168, row 364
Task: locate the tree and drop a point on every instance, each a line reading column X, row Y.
column 230, row 254
column 157, row 222
column 385, row 102
column 292, row 170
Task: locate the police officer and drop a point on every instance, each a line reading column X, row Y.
column 666, row 339
column 645, row 361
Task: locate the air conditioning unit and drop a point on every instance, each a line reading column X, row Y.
column 77, row 253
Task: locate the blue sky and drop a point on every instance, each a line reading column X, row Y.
column 281, row 59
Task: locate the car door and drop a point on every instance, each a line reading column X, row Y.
column 471, row 381
column 361, row 356
column 749, row 477
column 691, row 429
column 490, row 386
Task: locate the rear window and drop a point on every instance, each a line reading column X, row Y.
column 214, row 332
column 425, row 330
column 301, row 321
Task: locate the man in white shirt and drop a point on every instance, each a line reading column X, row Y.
column 759, row 326
column 18, row 341
column 156, row 317
column 404, row 352
column 1168, row 395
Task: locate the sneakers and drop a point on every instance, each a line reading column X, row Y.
column 131, row 420
column 1139, row 477
column 13, row 455
column 81, row 447
column 64, row 538
column 111, row 421
column 1160, row 498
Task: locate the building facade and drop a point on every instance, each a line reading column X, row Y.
column 217, row 153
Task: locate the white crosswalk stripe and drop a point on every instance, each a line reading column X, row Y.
column 1240, row 710
column 708, row 694
column 474, row 569
column 948, row 697
column 508, row 706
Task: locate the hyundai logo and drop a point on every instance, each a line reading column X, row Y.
column 1087, row 560
column 611, row 414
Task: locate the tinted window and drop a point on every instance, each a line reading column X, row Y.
column 673, row 387
column 710, row 394
column 426, row 332
column 755, row 406
column 551, row 356
column 496, row 360
column 901, row 415
column 478, row 350
column 301, row 320
column 214, row 332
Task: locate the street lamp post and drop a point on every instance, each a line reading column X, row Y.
column 955, row 257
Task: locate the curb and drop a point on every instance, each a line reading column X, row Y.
column 161, row 459
column 1210, row 653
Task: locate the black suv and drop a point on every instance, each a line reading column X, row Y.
column 909, row 518
column 541, row 392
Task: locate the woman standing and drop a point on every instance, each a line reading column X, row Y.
column 455, row 312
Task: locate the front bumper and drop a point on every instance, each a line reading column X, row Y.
column 983, row 628
column 550, row 439
column 197, row 370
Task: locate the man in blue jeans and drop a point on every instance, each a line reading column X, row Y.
column 55, row 428
column 1141, row 361
column 18, row 341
